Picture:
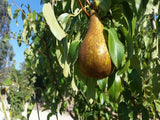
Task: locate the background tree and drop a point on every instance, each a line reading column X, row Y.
column 6, row 50
column 4, row 18
column 131, row 92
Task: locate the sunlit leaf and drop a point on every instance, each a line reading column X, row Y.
column 157, row 104
column 49, row 15
column 114, row 86
column 7, row 82
column 73, row 49
column 102, row 83
column 66, row 69
column 5, row 38
column 63, row 20
column 116, row 48
column 9, row 11
column 129, row 40
column 73, row 85
column 103, row 98
column 30, row 108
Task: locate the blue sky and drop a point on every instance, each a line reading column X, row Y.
column 19, row 51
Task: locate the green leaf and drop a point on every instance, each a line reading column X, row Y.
column 72, row 5
column 141, row 6
column 124, row 68
column 49, row 15
column 118, row 1
column 114, row 86
column 91, row 88
column 134, row 23
column 147, row 42
column 16, row 13
column 26, row 31
column 7, row 82
column 126, row 94
column 23, row 16
column 5, row 38
column 145, row 114
column 103, row 4
column 128, row 14
column 102, row 83
column 116, row 48
column 129, row 40
column 34, row 15
column 9, row 11
column 30, row 108
column 66, row 69
column 73, row 85
column 63, row 20
column 19, row 40
column 135, row 62
column 73, row 49
column 157, row 104
column 135, row 81
column 123, row 111
column 103, row 98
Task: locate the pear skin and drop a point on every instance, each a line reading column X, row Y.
column 94, row 60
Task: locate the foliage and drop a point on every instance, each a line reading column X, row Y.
column 20, row 91
column 131, row 92
column 6, row 56
column 6, row 50
column 4, row 20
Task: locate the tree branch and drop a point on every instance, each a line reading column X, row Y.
column 87, row 14
column 21, row 11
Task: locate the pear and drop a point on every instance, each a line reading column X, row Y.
column 94, row 60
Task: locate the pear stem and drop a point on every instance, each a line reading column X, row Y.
column 94, row 4
column 87, row 14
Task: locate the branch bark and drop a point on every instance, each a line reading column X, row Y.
column 115, row 115
column 87, row 14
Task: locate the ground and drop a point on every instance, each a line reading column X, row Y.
column 34, row 115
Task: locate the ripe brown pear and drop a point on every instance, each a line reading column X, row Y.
column 94, row 60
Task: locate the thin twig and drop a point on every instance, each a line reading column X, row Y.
column 87, row 14
column 21, row 11
column 17, row 39
column 112, row 113
column 74, row 15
